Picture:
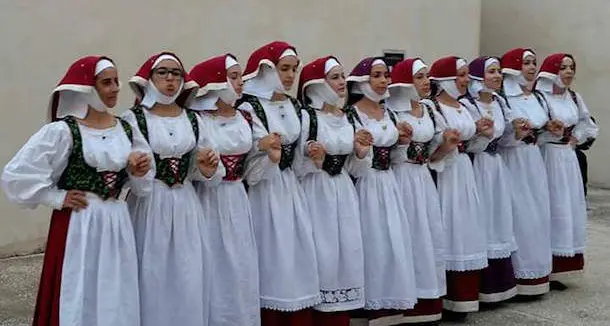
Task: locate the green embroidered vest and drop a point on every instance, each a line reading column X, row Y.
column 287, row 149
column 170, row 170
column 79, row 175
column 420, row 152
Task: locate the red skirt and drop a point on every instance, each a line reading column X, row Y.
column 462, row 291
column 566, row 267
column 425, row 311
column 338, row 318
column 533, row 287
column 47, row 302
column 282, row 318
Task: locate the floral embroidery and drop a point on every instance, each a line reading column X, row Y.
column 341, row 296
column 288, row 149
column 381, row 158
column 171, row 170
column 418, row 152
column 78, row 175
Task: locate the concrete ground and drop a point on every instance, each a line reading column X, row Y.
column 586, row 302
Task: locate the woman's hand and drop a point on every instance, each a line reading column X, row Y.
column 76, row 200
column 138, row 164
column 207, row 161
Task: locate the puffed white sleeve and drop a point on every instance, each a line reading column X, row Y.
column 585, row 128
column 437, row 140
column 509, row 137
column 205, row 141
column 258, row 164
column 449, row 158
column 359, row 167
column 398, row 154
column 546, row 136
column 30, row 177
column 304, row 165
column 478, row 143
column 141, row 186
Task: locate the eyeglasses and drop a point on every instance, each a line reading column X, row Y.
column 165, row 73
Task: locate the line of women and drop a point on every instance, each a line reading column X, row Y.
column 382, row 195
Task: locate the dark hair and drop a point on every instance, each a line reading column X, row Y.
column 352, row 97
column 306, row 100
column 434, row 88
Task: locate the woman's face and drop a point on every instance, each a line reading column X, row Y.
column 462, row 80
column 287, row 71
column 529, row 67
column 493, row 77
column 234, row 75
column 167, row 77
column 421, row 81
column 336, row 80
column 379, row 78
column 107, row 86
column 567, row 71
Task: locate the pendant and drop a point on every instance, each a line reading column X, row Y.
column 384, row 127
column 223, row 124
column 281, row 106
column 282, row 116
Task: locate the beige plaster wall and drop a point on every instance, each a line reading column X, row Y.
column 548, row 26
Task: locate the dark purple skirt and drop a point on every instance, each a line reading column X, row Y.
column 498, row 281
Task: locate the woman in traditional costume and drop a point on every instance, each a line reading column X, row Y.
column 234, row 296
column 493, row 178
column 570, row 125
column 78, row 164
column 329, row 150
column 388, row 254
column 170, row 226
column 288, row 271
column 530, row 192
column 410, row 84
column 460, row 204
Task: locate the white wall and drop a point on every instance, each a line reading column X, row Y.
column 548, row 26
column 41, row 38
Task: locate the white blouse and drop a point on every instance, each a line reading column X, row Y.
column 563, row 108
column 495, row 111
column 384, row 132
column 174, row 137
column 525, row 107
column 283, row 120
column 337, row 136
column 424, row 130
column 453, row 118
column 231, row 135
column 30, row 178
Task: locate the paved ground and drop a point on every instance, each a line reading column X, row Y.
column 585, row 303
